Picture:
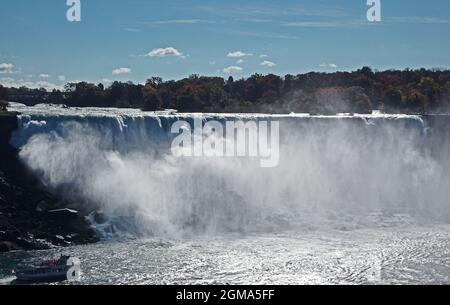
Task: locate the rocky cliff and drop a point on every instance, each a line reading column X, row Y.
column 31, row 217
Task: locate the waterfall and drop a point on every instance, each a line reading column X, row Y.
column 343, row 171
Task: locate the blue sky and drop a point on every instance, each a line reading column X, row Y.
column 115, row 38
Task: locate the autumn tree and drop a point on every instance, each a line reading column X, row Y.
column 298, row 101
column 447, row 92
column 154, row 81
column 56, row 97
column 392, row 99
column 152, row 100
column 188, row 99
column 415, row 101
column 322, row 93
column 430, row 89
column 358, row 100
column 330, row 101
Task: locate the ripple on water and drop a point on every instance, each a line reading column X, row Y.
column 371, row 256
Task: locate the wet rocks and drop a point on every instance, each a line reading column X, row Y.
column 30, row 217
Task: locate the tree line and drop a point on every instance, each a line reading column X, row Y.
column 360, row 91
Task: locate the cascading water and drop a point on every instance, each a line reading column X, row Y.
column 334, row 172
column 354, row 198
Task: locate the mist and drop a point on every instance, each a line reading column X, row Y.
column 341, row 173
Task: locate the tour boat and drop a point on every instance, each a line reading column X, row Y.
column 55, row 270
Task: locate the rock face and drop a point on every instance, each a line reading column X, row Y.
column 30, row 217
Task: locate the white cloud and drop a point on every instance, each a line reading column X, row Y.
column 6, row 68
column 267, row 63
column 10, row 82
column 418, row 20
column 232, row 70
column 238, row 54
column 327, row 24
column 44, row 75
column 240, row 61
column 6, row 81
column 106, row 80
column 131, row 30
column 177, row 21
column 47, row 85
column 62, row 78
column 257, row 34
column 325, row 65
column 165, row 52
column 119, row 71
column 263, row 56
column 258, row 13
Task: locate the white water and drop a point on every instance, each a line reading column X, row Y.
column 393, row 255
column 334, row 172
column 355, row 199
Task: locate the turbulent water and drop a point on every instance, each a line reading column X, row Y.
column 354, row 199
column 393, row 255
